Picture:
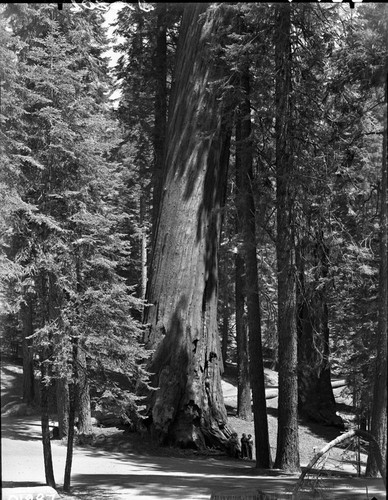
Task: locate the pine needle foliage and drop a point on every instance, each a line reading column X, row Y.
column 64, row 246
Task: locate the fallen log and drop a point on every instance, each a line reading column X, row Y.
column 343, row 437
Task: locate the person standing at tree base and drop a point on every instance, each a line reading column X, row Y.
column 249, row 443
column 234, row 446
column 244, row 446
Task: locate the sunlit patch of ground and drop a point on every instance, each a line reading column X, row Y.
column 119, row 465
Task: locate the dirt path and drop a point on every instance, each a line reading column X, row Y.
column 105, row 475
column 126, row 473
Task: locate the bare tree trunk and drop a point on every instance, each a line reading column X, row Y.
column 28, row 356
column 83, row 395
column 63, row 406
column 45, row 422
column 379, row 406
column 47, row 299
column 143, row 263
column 160, row 126
column 79, row 397
column 244, row 399
column 287, row 454
column 315, row 393
column 70, row 434
column 244, row 154
column 188, row 408
column 143, row 249
column 225, row 332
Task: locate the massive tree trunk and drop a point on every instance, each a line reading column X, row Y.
column 315, row 393
column 379, row 406
column 287, row 454
column 246, row 207
column 188, row 407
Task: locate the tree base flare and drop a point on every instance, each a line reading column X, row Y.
column 191, row 436
column 322, row 415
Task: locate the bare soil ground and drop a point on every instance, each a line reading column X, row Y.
column 122, row 465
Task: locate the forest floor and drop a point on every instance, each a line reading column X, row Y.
column 122, row 465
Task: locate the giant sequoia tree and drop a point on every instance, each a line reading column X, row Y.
column 188, row 407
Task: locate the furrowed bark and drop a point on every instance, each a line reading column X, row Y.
column 287, row 454
column 246, row 206
column 379, row 407
column 188, row 407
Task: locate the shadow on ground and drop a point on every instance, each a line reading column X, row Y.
column 11, row 382
column 174, row 478
column 21, row 428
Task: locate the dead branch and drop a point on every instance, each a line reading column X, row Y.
column 375, row 449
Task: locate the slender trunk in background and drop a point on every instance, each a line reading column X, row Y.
column 244, row 166
column 47, row 297
column 160, row 125
column 225, row 332
column 28, row 355
column 287, row 454
column 143, row 263
column 79, row 397
column 80, row 374
column 244, row 400
column 379, row 406
column 143, row 249
column 84, row 423
column 45, row 422
column 188, row 408
column 63, row 406
column 72, row 412
column 70, row 441
column 160, row 130
column 315, row 393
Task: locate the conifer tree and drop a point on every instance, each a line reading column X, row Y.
column 67, row 240
column 188, row 407
column 287, row 453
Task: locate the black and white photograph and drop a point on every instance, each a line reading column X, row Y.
column 193, row 250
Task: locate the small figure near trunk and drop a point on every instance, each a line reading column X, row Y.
column 234, row 446
column 244, row 447
column 250, row 446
